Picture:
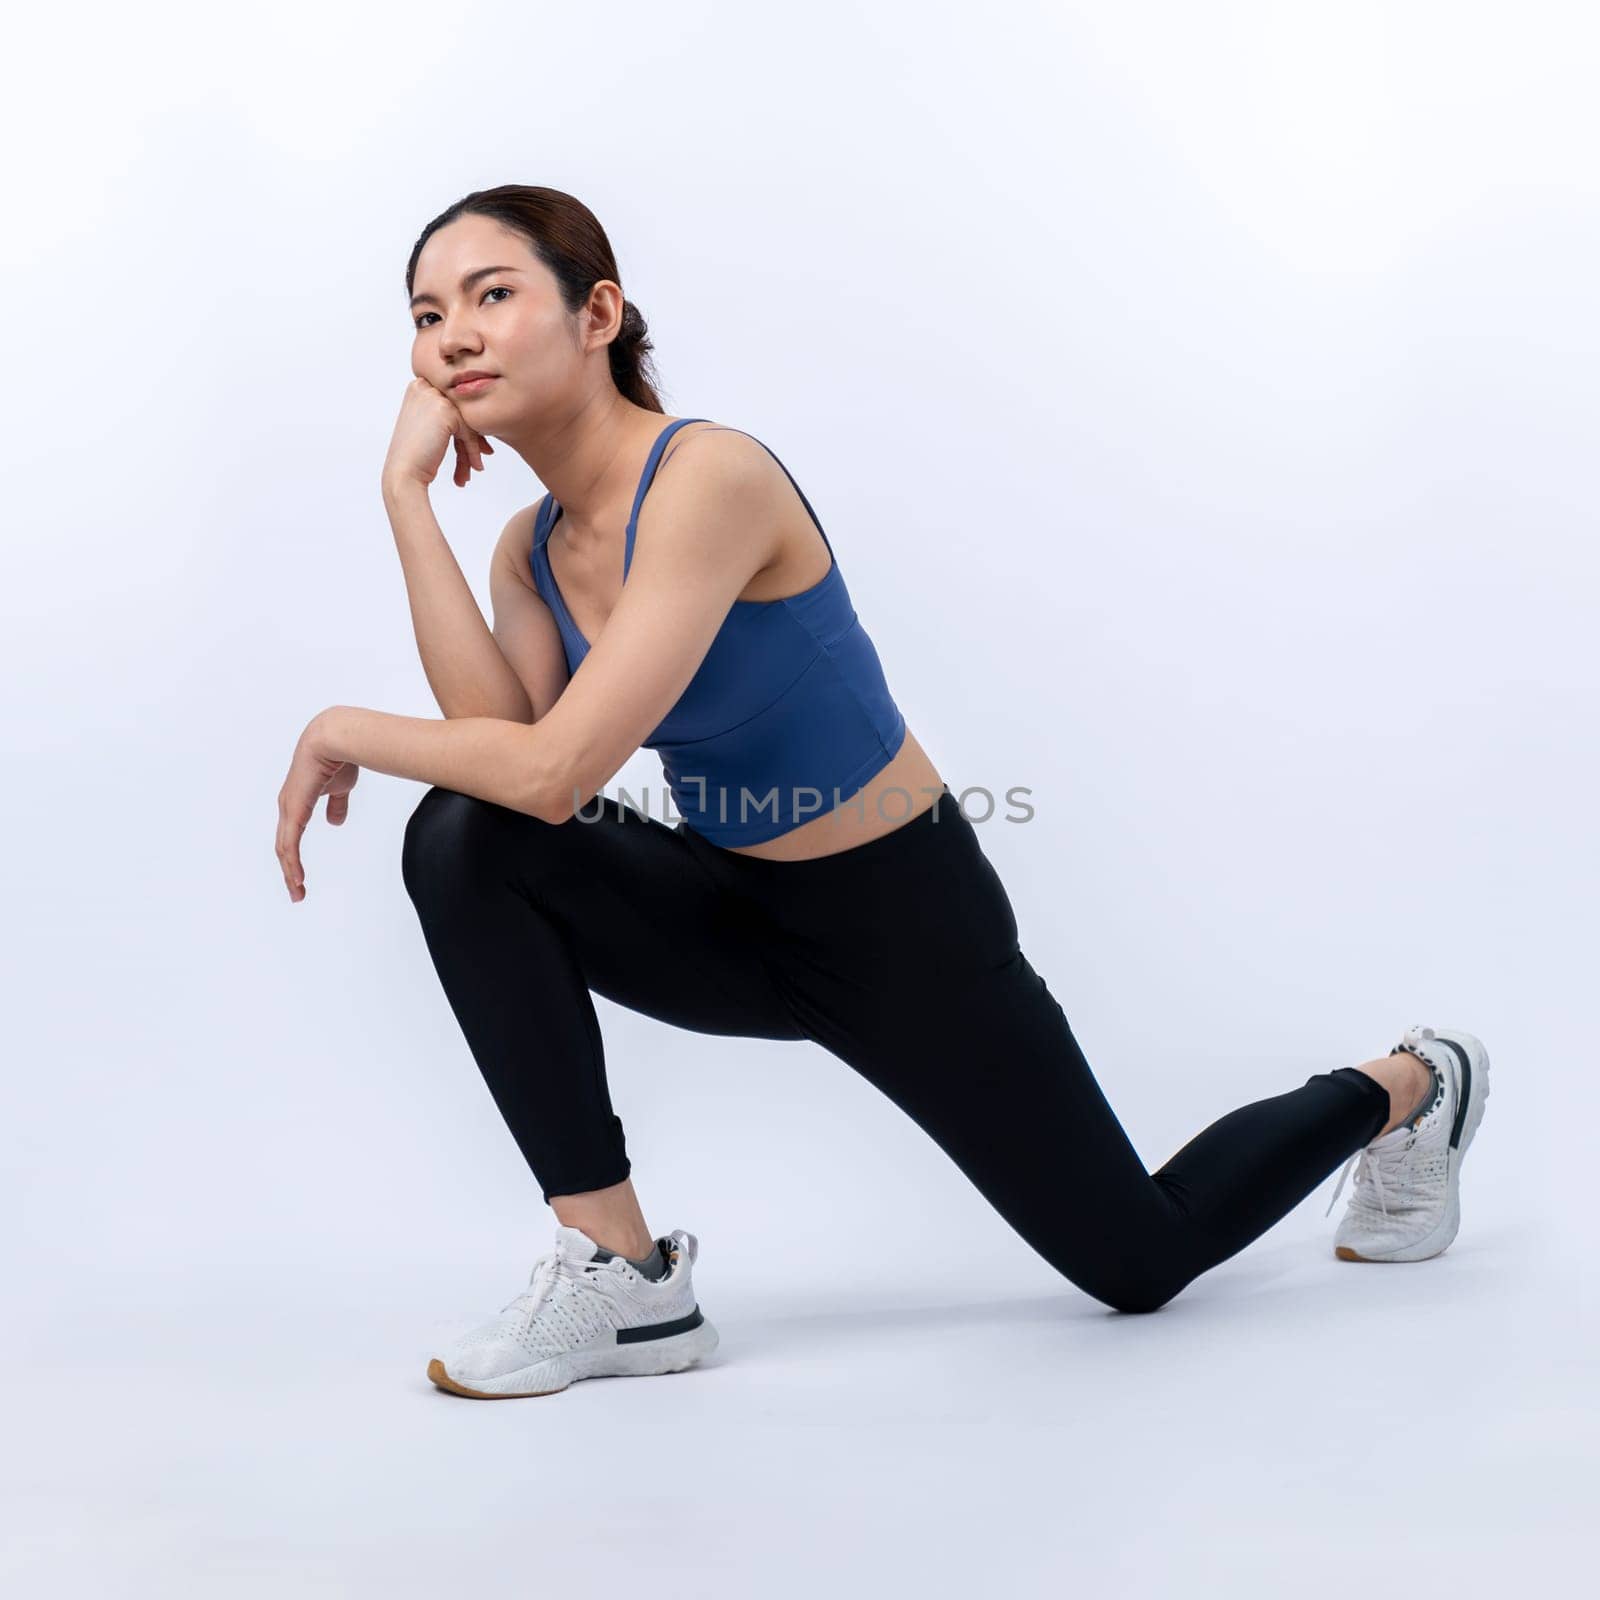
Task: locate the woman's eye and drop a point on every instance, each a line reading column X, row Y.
column 499, row 288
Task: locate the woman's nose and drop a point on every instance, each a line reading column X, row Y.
column 456, row 337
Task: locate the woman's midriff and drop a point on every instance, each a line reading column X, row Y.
column 869, row 814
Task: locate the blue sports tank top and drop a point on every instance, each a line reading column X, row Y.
column 787, row 716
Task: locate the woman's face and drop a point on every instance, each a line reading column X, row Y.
column 508, row 322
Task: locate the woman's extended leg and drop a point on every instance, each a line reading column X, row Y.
column 523, row 918
column 992, row 1071
column 901, row 957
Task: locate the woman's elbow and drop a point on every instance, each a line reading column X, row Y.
column 552, row 805
column 563, row 775
column 552, row 793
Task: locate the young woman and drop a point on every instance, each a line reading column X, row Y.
column 675, row 589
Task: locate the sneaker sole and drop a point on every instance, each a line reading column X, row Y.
column 634, row 1359
column 1472, row 1077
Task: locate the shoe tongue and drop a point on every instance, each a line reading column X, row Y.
column 576, row 1245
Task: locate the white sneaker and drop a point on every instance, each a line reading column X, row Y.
column 582, row 1318
column 1406, row 1203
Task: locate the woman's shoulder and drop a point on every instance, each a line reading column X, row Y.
column 754, row 487
column 721, row 444
column 515, row 546
column 743, row 466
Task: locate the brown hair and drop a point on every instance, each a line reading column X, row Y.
column 566, row 235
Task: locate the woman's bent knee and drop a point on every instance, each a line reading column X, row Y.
column 447, row 837
column 1140, row 1300
column 1140, row 1291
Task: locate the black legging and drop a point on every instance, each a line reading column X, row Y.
column 899, row 956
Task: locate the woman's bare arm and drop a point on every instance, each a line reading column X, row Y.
column 466, row 670
column 711, row 522
column 524, row 629
column 709, row 526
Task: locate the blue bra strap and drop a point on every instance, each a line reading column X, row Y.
column 653, row 462
column 645, row 479
column 541, row 528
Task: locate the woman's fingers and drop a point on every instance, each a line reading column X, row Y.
column 467, row 457
column 288, row 849
column 338, row 807
column 471, row 445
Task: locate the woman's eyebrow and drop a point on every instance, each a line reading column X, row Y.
column 466, row 283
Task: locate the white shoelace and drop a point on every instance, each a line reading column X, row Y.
column 546, row 1271
column 1372, row 1163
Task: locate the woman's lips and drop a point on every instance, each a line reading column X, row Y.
column 471, row 386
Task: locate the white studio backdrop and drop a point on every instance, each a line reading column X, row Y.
column 1200, row 401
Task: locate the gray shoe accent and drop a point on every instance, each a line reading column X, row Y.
column 653, row 1266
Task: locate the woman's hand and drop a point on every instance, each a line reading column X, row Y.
column 429, row 419
column 312, row 774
